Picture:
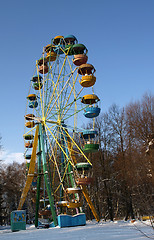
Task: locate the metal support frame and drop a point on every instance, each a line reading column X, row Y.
column 48, row 184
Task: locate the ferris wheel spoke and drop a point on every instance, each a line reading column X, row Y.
column 65, row 109
column 66, row 162
column 55, row 162
column 72, row 89
column 56, row 88
column 70, row 105
column 66, row 101
column 59, row 145
column 49, row 83
column 40, row 94
column 62, row 179
column 31, row 130
column 56, row 85
column 76, row 145
column 73, row 114
column 57, row 98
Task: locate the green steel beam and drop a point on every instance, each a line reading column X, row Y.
column 38, row 182
column 46, row 177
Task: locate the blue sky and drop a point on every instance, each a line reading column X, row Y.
column 119, row 35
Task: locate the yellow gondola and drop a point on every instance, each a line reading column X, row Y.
column 30, row 124
column 62, row 204
column 32, row 97
column 73, row 190
column 51, row 56
column 57, row 40
column 87, row 71
column 90, row 99
column 29, row 116
column 74, row 204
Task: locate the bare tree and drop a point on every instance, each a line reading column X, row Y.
column 140, row 125
column 13, row 180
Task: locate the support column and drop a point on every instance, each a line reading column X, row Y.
column 38, row 182
column 46, row 177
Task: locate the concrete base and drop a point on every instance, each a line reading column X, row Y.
column 71, row 221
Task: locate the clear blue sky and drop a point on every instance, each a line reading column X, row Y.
column 119, row 35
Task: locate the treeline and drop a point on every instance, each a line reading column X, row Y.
column 12, row 179
column 123, row 168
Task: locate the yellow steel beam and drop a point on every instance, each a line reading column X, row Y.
column 30, row 172
column 77, row 146
column 70, row 149
column 86, row 195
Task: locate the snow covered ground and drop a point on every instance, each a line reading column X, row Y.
column 119, row 230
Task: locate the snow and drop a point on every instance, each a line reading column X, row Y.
column 119, row 230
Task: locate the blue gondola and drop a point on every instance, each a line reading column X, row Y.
column 92, row 112
column 89, row 134
column 70, row 39
column 33, row 104
column 28, row 156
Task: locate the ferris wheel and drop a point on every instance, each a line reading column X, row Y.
column 56, row 149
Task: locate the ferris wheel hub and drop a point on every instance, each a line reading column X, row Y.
column 43, row 120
